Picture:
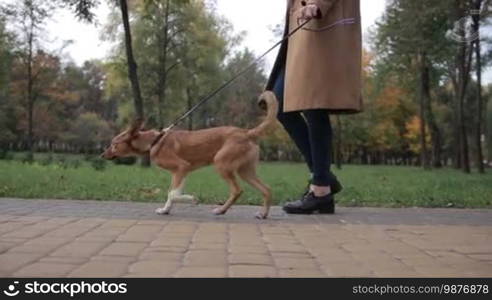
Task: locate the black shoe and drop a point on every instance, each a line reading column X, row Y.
column 335, row 188
column 310, row 204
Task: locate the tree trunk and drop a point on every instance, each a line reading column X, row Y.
column 479, row 118
column 464, row 60
column 429, row 115
column 163, row 44
column 460, row 79
column 132, row 65
column 423, row 131
column 133, row 70
column 30, row 86
column 190, row 105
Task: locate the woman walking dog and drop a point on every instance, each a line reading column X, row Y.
column 318, row 72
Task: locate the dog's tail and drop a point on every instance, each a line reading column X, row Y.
column 267, row 101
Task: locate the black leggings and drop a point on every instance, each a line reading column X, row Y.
column 312, row 135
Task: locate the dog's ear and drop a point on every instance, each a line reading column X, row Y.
column 136, row 126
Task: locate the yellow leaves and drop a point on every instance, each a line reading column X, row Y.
column 384, row 135
column 367, row 59
column 390, row 98
column 413, row 134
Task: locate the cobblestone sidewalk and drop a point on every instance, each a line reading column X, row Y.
column 63, row 238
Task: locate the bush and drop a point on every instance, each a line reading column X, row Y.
column 28, row 158
column 3, row 153
column 63, row 163
column 125, row 161
column 75, row 163
column 98, row 164
column 48, row 160
column 6, row 155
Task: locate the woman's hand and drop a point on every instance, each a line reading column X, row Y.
column 310, row 11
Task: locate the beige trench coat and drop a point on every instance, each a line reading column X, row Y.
column 323, row 60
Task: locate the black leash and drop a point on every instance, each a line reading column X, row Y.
column 223, row 86
column 227, row 83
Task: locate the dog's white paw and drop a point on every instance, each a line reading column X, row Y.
column 218, row 211
column 162, row 211
column 261, row 216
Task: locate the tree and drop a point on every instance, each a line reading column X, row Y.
column 7, row 117
column 30, row 15
column 411, row 36
column 132, row 65
column 477, row 5
column 89, row 131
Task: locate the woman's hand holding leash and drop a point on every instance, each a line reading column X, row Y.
column 310, row 11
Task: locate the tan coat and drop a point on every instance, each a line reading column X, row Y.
column 323, row 60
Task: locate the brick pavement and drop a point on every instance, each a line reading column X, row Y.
column 66, row 238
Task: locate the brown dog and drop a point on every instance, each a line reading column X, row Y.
column 233, row 151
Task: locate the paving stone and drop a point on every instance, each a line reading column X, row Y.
column 295, row 263
column 31, row 231
column 170, row 242
column 207, row 246
column 100, row 269
column 347, row 270
column 247, row 271
column 301, row 273
column 112, row 259
column 153, row 267
column 201, row 272
column 6, row 246
column 162, row 256
column 123, row 249
column 248, row 249
column 250, row 259
column 202, row 258
column 10, row 262
column 44, row 269
column 485, row 257
column 64, row 260
column 58, row 238
column 80, row 249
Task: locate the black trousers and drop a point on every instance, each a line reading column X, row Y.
column 312, row 133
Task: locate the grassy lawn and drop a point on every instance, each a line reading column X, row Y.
column 364, row 185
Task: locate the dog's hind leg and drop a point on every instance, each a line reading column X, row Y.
column 248, row 174
column 235, row 190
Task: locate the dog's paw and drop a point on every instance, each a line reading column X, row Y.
column 218, row 211
column 162, row 211
column 261, row 215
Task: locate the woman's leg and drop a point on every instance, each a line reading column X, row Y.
column 320, row 137
column 293, row 122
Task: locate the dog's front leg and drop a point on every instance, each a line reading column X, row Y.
column 171, row 197
column 175, row 193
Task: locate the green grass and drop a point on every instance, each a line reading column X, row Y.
column 363, row 185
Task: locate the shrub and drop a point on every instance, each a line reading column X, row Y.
column 6, row 155
column 125, row 161
column 48, row 160
column 28, row 158
column 3, row 153
column 62, row 162
column 98, row 164
column 75, row 163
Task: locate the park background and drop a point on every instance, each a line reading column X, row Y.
column 425, row 138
